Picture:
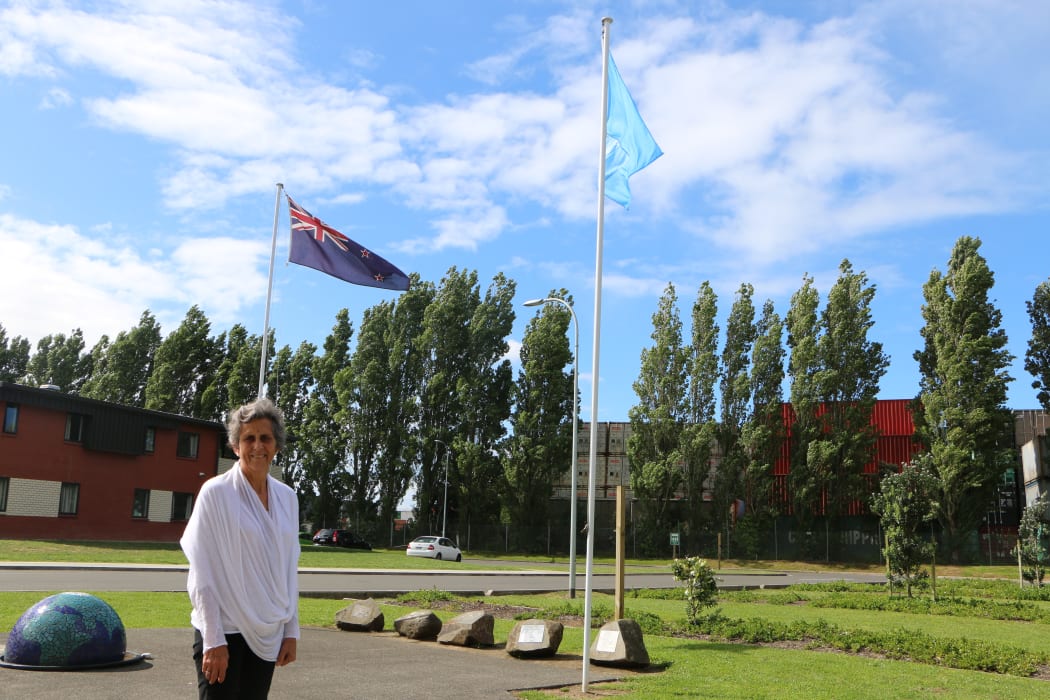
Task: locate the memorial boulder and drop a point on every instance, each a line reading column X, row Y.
column 362, row 616
column 619, row 643
column 421, row 624
column 469, row 629
column 535, row 639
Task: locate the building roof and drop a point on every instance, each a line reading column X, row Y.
column 113, row 427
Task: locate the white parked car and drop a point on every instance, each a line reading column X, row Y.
column 434, row 547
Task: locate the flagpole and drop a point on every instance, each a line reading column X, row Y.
column 593, row 456
column 269, row 293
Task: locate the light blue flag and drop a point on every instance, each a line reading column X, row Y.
column 629, row 146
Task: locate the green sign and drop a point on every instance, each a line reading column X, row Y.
column 674, row 539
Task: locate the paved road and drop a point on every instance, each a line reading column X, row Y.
column 363, row 582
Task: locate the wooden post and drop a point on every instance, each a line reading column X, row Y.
column 1020, row 568
column 933, row 567
column 889, row 578
column 621, row 537
column 720, row 551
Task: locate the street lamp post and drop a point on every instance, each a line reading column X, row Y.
column 573, row 466
column 444, row 507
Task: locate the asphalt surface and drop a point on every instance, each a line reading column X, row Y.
column 331, row 664
column 361, row 583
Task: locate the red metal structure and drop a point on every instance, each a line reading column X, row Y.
column 896, row 444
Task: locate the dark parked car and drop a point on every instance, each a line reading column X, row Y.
column 340, row 538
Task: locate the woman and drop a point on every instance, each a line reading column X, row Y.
column 242, row 542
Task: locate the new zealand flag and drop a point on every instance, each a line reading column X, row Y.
column 316, row 244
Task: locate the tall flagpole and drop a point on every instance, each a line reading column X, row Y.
column 269, row 292
column 593, row 456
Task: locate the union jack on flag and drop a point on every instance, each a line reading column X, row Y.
column 316, row 244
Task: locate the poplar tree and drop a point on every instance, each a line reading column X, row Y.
column 540, row 446
column 288, row 384
column 184, row 365
column 442, row 346
column 805, row 484
column 847, row 383
column 658, row 419
column 736, row 398
column 403, row 443
column 14, row 356
column 485, row 396
column 60, row 359
column 1037, row 358
column 363, row 400
column 236, row 378
column 961, row 409
column 324, row 434
column 763, row 435
column 121, row 368
column 464, row 398
column 700, row 432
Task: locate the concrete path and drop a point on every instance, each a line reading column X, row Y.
column 331, row 664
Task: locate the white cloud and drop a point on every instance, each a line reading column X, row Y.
column 347, row 198
column 513, row 353
column 630, row 286
column 793, row 135
column 56, row 97
column 101, row 285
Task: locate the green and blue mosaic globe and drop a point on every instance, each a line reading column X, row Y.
column 67, row 630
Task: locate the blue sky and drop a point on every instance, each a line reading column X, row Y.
column 142, row 141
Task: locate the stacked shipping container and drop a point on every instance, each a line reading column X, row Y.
column 896, row 445
column 612, row 467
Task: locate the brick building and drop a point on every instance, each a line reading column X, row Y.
column 73, row 468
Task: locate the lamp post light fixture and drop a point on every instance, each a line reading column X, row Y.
column 444, row 507
column 575, row 400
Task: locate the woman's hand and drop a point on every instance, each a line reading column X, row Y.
column 215, row 662
column 287, row 653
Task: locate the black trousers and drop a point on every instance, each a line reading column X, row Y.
column 247, row 678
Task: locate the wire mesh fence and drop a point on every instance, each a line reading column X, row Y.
column 851, row 539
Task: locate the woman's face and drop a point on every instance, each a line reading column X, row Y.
column 257, row 446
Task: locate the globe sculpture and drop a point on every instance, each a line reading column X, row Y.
column 66, row 631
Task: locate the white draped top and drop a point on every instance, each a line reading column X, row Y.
column 244, row 563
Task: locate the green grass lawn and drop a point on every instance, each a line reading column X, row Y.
column 159, row 553
column 683, row 667
column 313, row 556
column 394, row 558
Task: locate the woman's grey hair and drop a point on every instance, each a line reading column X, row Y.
column 260, row 408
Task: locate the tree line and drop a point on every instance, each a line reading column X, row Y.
column 427, row 389
column 713, row 425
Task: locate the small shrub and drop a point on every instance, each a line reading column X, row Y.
column 647, row 621
column 657, row 593
column 426, row 596
column 1032, row 541
column 910, row 645
column 701, row 586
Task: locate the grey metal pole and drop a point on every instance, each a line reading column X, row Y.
column 595, row 358
column 575, row 427
column 269, row 294
column 444, row 509
column 444, row 505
